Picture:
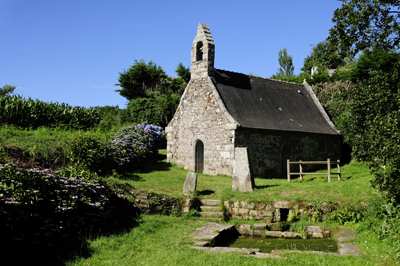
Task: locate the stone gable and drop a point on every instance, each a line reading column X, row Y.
column 200, row 117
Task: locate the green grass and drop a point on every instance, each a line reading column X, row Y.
column 166, row 178
column 163, row 240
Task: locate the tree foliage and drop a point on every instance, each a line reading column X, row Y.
column 141, row 80
column 372, row 121
column 7, row 89
column 326, row 56
column 361, row 24
column 154, row 110
column 286, row 64
column 153, row 95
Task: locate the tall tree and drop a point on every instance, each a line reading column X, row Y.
column 141, row 80
column 183, row 72
column 326, row 56
column 361, row 24
column 373, row 118
column 286, row 63
column 179, row 84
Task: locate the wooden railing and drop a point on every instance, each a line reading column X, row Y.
column 301, row 173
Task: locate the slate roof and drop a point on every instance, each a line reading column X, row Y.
column 269, row 104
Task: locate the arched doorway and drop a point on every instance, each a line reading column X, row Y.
column 199, row 157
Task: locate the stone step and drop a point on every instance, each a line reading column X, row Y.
column 217, row 214
column 210, row 202
column 210, row 208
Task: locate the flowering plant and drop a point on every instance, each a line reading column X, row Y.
column 40, row 206
column 136, row 144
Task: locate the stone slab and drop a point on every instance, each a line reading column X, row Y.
column 290, row 235
column 190, row 183
column 245, row 229
column 201, row 243
column 314, row 229
column 273, row 233
column 259, row 226
column 205, row 235
column 210, row 202
column 282, row 204
column 226, row 249
column 241, row 179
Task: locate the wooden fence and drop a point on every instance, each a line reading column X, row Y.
column 301, row 173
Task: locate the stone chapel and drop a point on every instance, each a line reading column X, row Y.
column 227, row 120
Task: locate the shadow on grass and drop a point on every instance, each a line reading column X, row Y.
column 61, row 249
column 158, row 165
column 266, row 186
column 206, row 192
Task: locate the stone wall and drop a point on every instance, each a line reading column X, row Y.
column 272, row 212
column 268, row 150
column 200, row 117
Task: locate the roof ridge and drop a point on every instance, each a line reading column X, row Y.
column 254, row 76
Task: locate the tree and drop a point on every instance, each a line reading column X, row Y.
column 183, row 72
column 372, row 120
column 326, row 56
column 141, row 80
column 286, row 63
column 179, row 84
column 361, row 24
column 7, row 89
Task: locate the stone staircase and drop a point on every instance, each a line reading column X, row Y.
column 211, row 209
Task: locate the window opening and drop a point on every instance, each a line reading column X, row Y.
column 199, row 51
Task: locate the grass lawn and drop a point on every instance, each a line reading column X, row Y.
column 163, row 240
column 168, row 179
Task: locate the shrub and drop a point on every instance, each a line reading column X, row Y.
column 136, row 144
column 90, row 152
column 40, row 207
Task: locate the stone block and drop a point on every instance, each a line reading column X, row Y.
column 242, row 180
column 226, row 204
column 314, row 229
column 317, row 235
column 258, row 232
column 265, row 213
column 290, row 235
column 259, row 226
column 245, row 229
column 244, row 211
column 254, row 213
column 273, row 233
column 190, row 183
column 282, row 204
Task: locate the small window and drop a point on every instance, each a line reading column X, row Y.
column 199, row 51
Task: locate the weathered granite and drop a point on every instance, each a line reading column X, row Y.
column 242, row 180
column 190, row 182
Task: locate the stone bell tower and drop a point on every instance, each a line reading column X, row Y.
column 203, row 53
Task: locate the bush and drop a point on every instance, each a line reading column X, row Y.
column 90, row 152
column 40, row 207
column 136, row 144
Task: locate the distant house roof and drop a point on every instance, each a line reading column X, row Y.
column 269, row 104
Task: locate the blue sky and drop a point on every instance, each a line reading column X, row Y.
column 72, row 51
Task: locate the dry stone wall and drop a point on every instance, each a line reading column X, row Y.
column 200, row 117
